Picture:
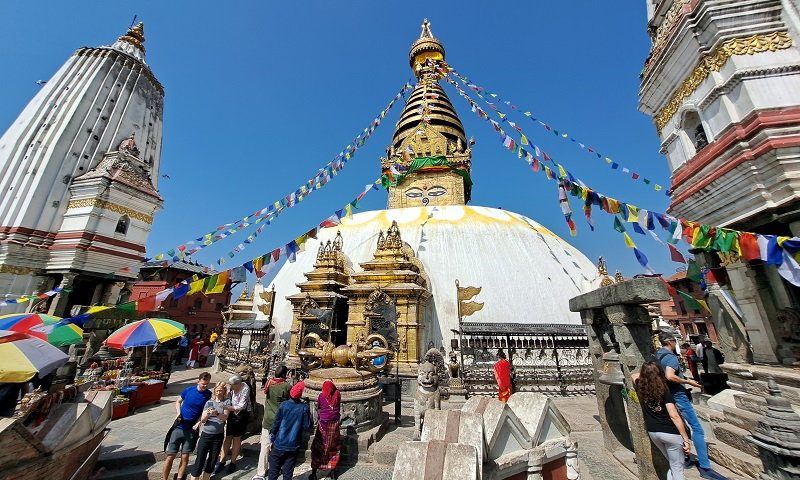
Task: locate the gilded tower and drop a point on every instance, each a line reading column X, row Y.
column 428, row 162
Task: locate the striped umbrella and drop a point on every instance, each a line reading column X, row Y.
column 23, row 356
column 59, row 333
column 145, row 333
column 23, row 322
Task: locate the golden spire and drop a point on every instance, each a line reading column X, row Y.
column 425, row 47
column 135, row 36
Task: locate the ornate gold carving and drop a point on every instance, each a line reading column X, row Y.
column 392, row 238
column 135, row 36
column 106, row 205
column 673, row 16
column 729, row 258
column 15, row 270
column 618, row 277
column 713, row 62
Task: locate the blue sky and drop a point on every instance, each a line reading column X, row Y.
column 259, row 95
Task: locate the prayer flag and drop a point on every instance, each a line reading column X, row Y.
column 675, row 254
column 181, row 290
column 637, row 228
column 618, row 226
column 97, row 309
column 129, row 307
column 238, row 274
column 789, row 269
column 628, row 240
column 693, row 272
column 146, row 304
column 642, row 259
column 770, row 251
column 163, row 294
column 217, row 282
column 748, row 244
column 523, row 139
column 690, row 301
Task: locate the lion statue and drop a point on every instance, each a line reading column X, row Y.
column 427, row 395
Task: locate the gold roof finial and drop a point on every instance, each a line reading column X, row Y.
column 426, row 29
column 135, row 36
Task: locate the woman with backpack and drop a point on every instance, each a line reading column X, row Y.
column 661, row 418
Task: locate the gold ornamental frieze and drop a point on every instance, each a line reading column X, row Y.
column 114, row 207
column 713, row 62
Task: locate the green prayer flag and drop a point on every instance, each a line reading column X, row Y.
column 129, row 307
column 723, row 241
column 701, row 237
column 689, row 300
column 618, row 226
column 693, row 271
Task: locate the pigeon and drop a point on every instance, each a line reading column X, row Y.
column 165, row 176
column 41, row 82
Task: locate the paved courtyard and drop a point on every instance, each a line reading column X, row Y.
column 134, row 447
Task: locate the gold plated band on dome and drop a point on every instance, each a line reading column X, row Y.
column 106, row 205
column 713, row 62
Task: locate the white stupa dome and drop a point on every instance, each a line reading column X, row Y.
column 527, row 273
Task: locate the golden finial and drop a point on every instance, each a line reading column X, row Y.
column 135, row 36
column 601, row 266
column 618, row 277
column 426, row 29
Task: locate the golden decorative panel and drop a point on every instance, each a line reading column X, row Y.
column 114, row 207
column 713, row 62
column 15, row 270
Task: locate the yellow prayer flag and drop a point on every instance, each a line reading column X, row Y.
column 613, row 205
column 501, row 115
column 196, row 286
column 609, row 161
column 703, row 304
column 97, row 309
column 633, row 214
column 348, row 211
column 657, row 187
column 628, row 241
column 561, row 172
column 523, row 140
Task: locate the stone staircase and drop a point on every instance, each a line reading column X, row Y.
column 732, row 415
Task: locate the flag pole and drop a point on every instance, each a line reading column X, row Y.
column 460, row 339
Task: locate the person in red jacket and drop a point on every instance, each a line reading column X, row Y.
column 502, row 374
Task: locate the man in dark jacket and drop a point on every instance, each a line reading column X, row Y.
column 292, row 419
column 277, row 392
column 714, row 380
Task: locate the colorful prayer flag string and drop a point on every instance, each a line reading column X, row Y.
column 483, row 93
column 323, row 176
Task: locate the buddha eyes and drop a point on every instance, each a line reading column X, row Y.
column 437, row 191
column 414, row 193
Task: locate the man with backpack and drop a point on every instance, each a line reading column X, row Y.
column 671, row 365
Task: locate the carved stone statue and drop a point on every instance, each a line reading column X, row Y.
column 453, row 365
column 427, row 396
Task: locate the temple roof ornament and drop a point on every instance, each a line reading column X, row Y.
column 392, row 238
column 135, row 36
column 425, row 47
column 129, row 146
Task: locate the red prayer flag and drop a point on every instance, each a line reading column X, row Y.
column 749, row 245
column 675, row 255
column 146, row 304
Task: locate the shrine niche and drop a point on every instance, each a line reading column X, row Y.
column 320, row 307
column 387, row 298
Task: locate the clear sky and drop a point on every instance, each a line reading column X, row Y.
column 259, row 95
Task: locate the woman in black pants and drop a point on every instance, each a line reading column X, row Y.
column 212, row 432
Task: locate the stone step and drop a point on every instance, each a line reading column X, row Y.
column 735, row 437
column 741, row 418
column 740, row 463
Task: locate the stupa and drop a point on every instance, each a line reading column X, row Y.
column 394, row 271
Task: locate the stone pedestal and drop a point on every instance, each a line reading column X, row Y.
column 361, row 398
column 619, row 323
column 777, row 437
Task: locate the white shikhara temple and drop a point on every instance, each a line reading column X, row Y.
column 80, row 177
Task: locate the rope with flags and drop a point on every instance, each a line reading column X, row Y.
column 269, row 212
column 217, row 282
column 482, row 93
column 780, row 251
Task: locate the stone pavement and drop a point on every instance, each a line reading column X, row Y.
column 133, row 449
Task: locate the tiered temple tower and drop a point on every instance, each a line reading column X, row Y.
column 429, row 159
column 80, row 177
column 722, row 83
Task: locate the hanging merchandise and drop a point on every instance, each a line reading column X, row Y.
column 268, row 213
column 483, row 94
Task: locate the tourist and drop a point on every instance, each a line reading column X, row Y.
column 194, row 352
column 502, row 374
column 292, row 419
column 661, row 418
column 182, row 437
column 714, row 380
column 238, row 416
column 203, row 355
column 212, row 432
column 183, row 344
column 691, row 359
column 670, row 363
column 327, row 442
column 698, row 351
column 276, row 391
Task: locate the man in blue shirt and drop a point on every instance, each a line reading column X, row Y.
column 292, row 419
column 183, row 438
column 671, row 366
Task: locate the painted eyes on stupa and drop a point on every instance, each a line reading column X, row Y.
column 437, row 191
column 414, row 193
